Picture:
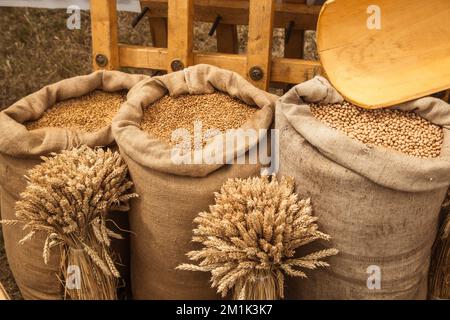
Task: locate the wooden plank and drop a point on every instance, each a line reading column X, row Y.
column 282, row 6
column 158, row 31
column 227, row 38
column 156, row 58
column 104, row 33
column 143, row 57
column 180, row 32
column 373, row 65
column 236, row 12
column 294, row 70
column 295, row 46
column 233, row 62
column 283, row 70
column 260, row 35
column 302, row 21
column 3, row 294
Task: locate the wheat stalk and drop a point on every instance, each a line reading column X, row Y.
column 250, row 236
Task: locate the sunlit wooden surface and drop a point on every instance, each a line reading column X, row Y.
column 175, row 18
column 407, row 57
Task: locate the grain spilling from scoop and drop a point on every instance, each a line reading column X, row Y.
column 395, row 129
column 88, row 113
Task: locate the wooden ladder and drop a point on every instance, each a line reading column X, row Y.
column 257, row 65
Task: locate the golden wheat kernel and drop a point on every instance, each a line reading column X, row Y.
column 88, row 113
column 215, row 111
column 399, row 130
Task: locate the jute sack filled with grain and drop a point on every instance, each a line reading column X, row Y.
column 171, row 194
column 439, row 280
column 25, row 137
column 379, row 205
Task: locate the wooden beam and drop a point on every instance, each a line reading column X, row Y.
column 105, row 51
column 143, row 57
column 227, row 38
column 260, row 35
column 180, row 33
column 283, row 70
column 158, row 31
column 295, row 46
column 156, row 58
column 280, row 6
column 294, row 70
column 236, row 12
column 233, row 62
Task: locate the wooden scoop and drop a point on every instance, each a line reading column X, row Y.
column 378, row 53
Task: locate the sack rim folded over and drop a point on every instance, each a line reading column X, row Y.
column 383, row 166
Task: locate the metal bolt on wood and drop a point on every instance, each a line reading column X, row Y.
column 101, row 60
column 176, row 65
column 256, row 73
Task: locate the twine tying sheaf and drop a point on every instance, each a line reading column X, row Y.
column 250, row 237
column 67, row 198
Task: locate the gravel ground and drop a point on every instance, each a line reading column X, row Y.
column 37, row 49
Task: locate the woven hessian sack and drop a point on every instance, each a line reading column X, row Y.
column 380, row 206
column 21, row 149
column 171, row 195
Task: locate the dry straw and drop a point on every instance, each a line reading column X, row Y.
column 250, row 237
column 439, row 282
column 67, row 198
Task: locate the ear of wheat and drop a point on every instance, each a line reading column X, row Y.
column 67, row 198
column 250, row 236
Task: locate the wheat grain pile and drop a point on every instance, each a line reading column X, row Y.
column 250, row 236
column 88, row 113
column 214, row 111
column 395, row 129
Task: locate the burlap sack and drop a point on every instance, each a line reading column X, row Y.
column 380, row 206
column 171, row 195
column 21, row 149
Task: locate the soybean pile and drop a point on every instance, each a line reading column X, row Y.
column 395, row 129
column 88, row 113
column 213, row 111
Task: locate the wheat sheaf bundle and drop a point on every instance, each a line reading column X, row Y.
column 67, row 198
column 250, row 236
